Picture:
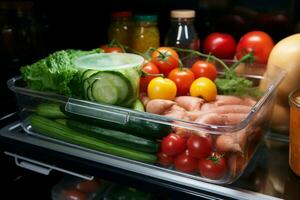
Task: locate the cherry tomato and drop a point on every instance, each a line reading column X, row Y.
column 149, row 68
column 205, row 88
column 88, row 186
column 111, row 49
column 221, row 45
column 199, row 147
column 206, row 69
column 165, row 59
column 164, row 159
column 257, row 42
column 162, row 88
column 186, row 163
column 183, row 79
column 213, row 167
column 74, row 194
column 173, row 144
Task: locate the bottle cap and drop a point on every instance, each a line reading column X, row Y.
column 143, row 18
column 122, row 14
column 183, row 13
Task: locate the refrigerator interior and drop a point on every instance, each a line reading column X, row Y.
column 30, row 30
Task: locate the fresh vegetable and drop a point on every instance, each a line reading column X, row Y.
column 138, row 106
column 221, row 45
column 162, row 88
column 173, row 144
column 87, row 186
column 110, row 87
column 284, row 55
column 55, row 73
column 73, row 194
column 58, row 131
column 213, row 167
column 206, row 69
column 50, row 110
column 111, row 49
column 185, row 162
column 205, row 88
column 229, row 83
column 165, row 59
column 115, row 137
column 183, row 78
column 199, row 147
column 147, row 69
column 116, row 80
column 134, row 124
column 258, row 43
column 164, row 159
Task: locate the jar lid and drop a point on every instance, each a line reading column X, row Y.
column 143, row 18
column 183, row 13
column 122, row 14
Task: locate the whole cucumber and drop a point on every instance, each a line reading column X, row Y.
column 61, row 132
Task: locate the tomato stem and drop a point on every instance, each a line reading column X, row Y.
column 148, row 74
column 114, row 43
column 247, row 57
column 203, row 55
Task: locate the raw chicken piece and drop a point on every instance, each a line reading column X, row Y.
column 208, row 106
column 159, row 106
column 176, row 112
column 220, row 110
column 234, row 141
column 189, row 103
column 221, row 119
column 233, row 100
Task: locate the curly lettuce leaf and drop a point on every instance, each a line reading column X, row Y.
column 55, row 73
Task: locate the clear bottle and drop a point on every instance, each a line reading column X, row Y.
column 145, row 33
column 120, row 27
column 182, row 32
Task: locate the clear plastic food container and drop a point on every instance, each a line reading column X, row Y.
column 237, row 142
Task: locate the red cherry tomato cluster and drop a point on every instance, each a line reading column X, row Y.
column 224, row 46
column 193, row 154
column 165, row 60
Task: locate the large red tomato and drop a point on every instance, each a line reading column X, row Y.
column 173, row 144
column 199, row 147
column 257, row 42
column 183, row 78
column 206, row 69
column 186, row 163
column 221, row 45
column 111, row 49
column 164, row 159
column 165, row 59
column 213, row 167
column 148, row 68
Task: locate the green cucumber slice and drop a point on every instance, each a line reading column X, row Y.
column 103, row 91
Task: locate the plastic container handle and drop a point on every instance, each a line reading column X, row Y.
column 97, row 111
column 42, row 168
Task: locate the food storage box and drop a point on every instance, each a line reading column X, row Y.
column 71, row 187
column 237, row 142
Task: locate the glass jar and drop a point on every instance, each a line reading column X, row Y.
column 120, row 27
column 145, row 33
column 182, row 32
column 294, row 144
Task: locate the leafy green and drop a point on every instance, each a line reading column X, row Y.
column 231, row 84
column 55, row 73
